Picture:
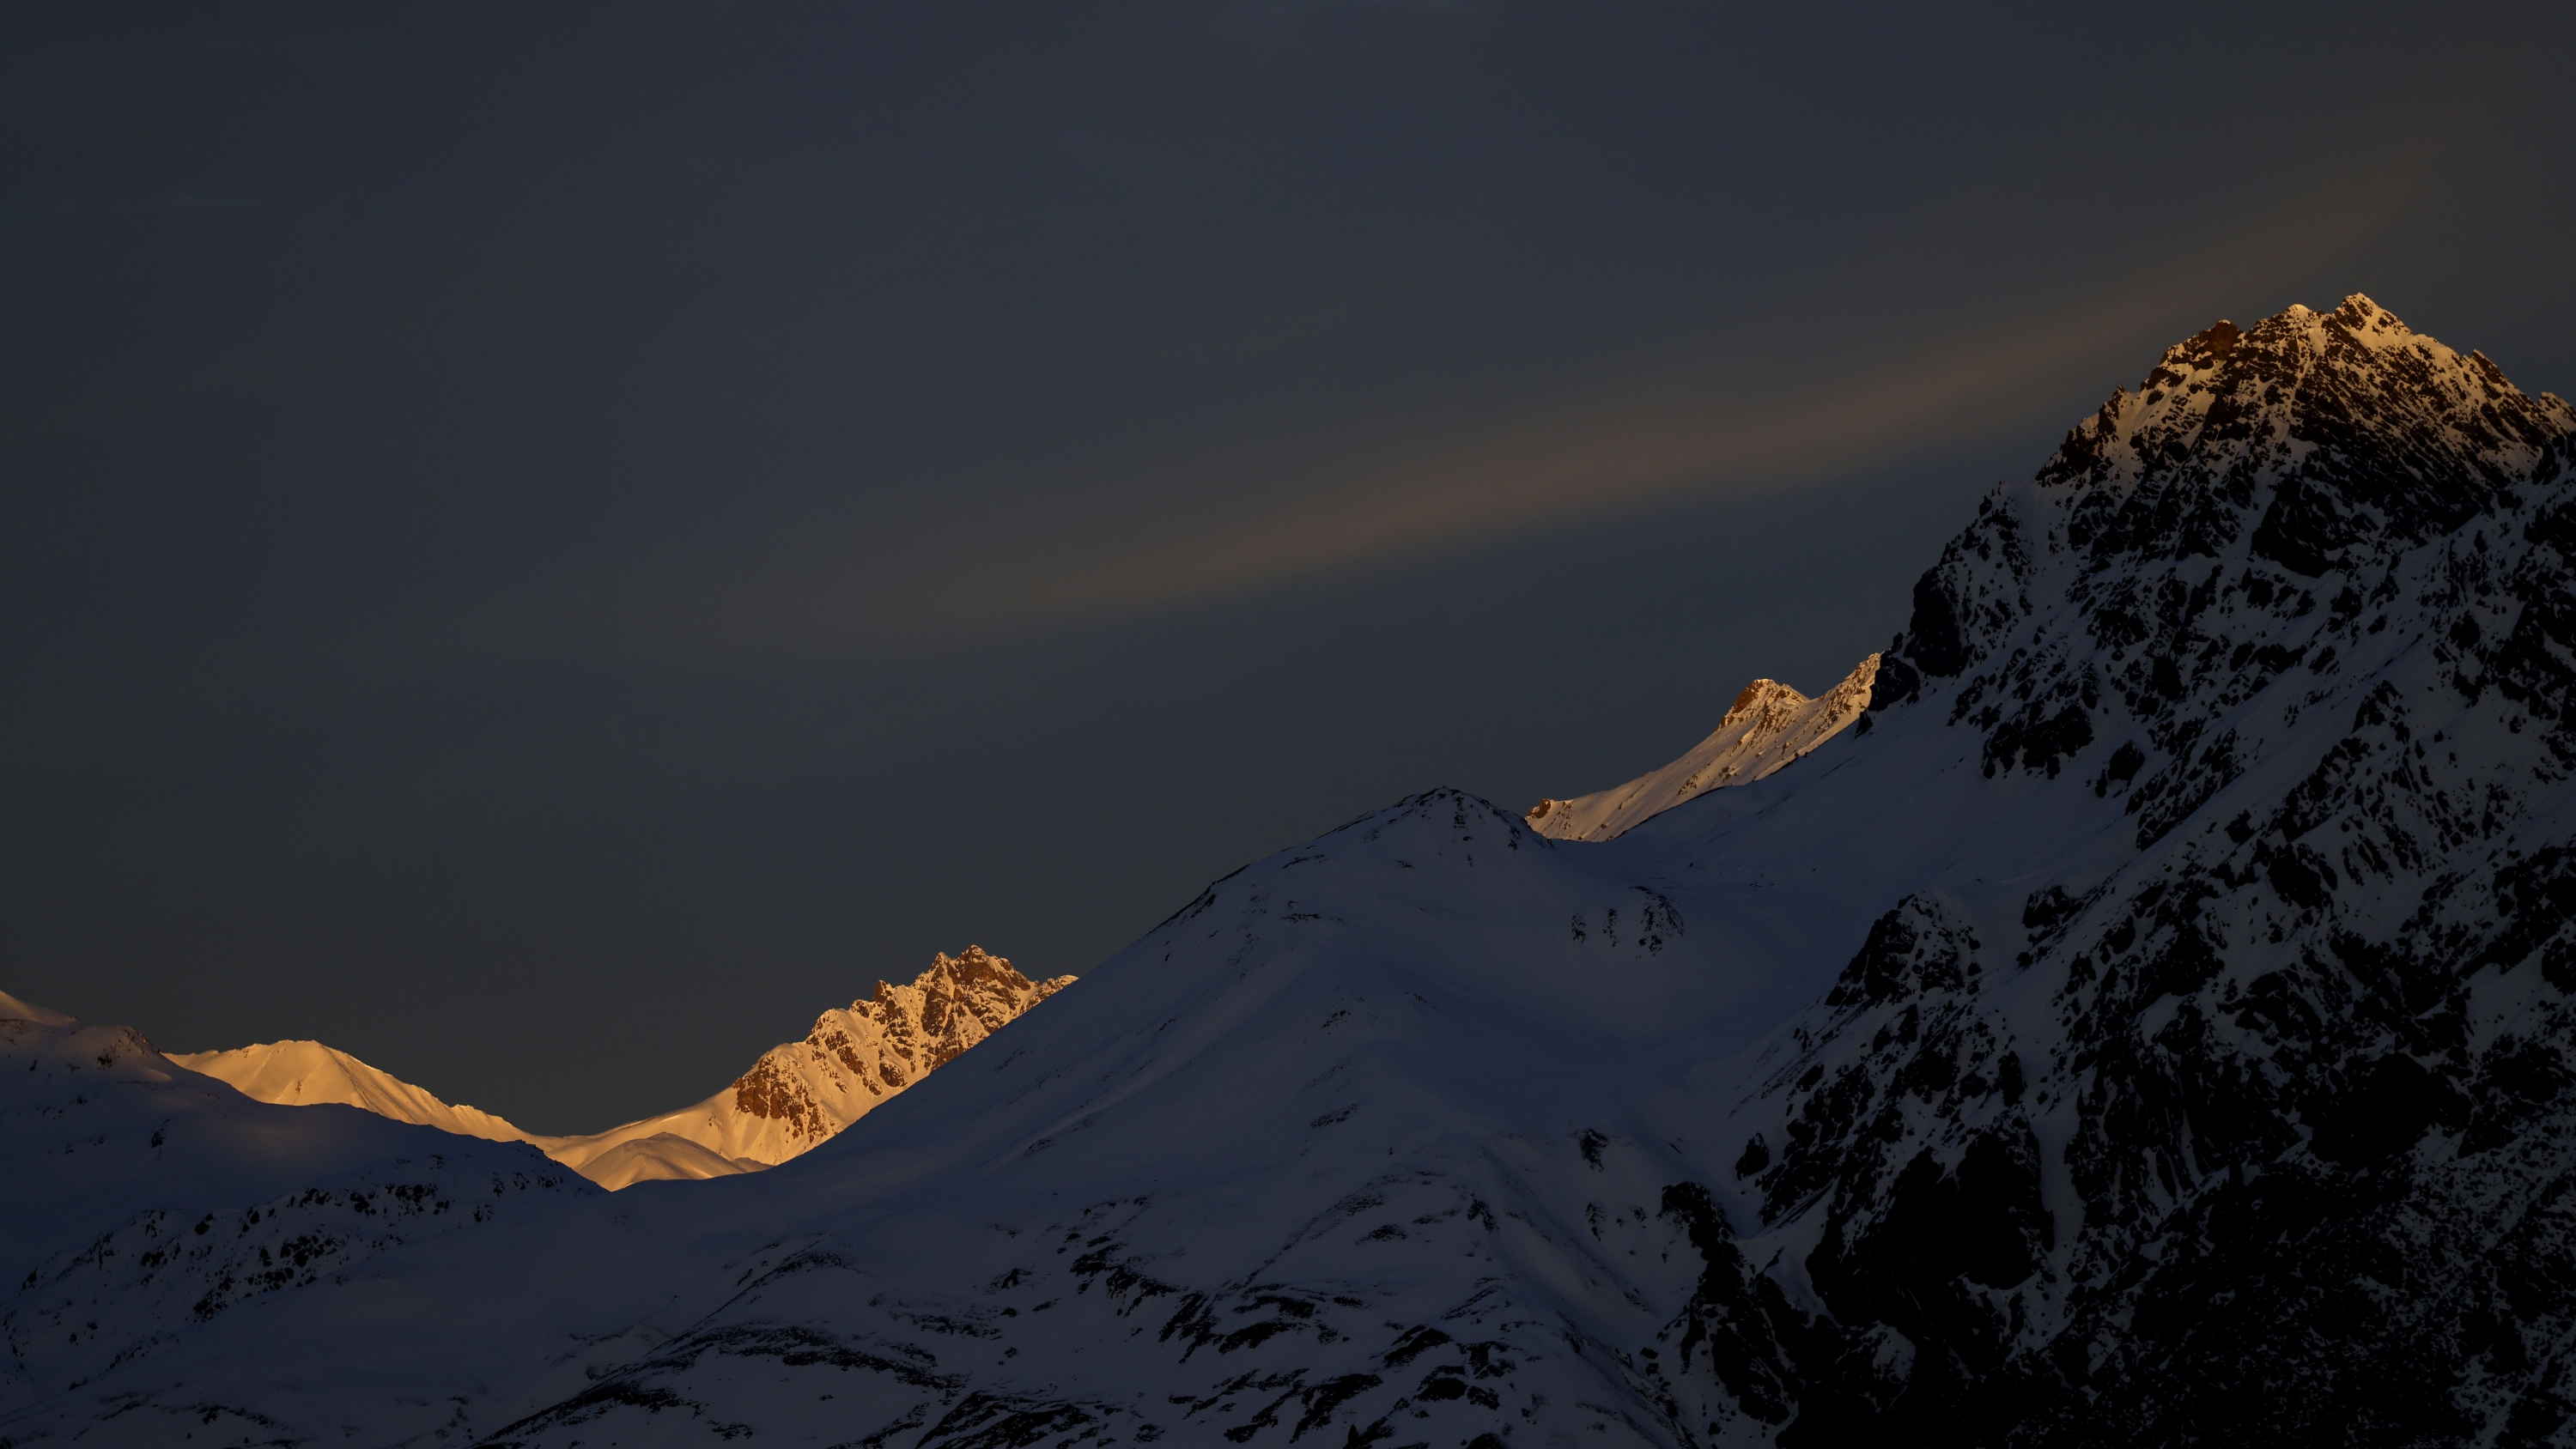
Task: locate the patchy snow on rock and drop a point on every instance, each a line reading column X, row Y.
column 1769, row 727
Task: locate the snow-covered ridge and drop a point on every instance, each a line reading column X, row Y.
column 1769, row 727
column 301, row 1073
column 797, row 1096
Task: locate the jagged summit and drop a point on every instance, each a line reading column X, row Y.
column 2368, row 434
column 2173, row 549
column 2316, row 443
column 1770, row 726
column 799, row 1094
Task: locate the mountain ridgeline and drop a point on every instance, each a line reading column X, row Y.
column 1768, row 728
column 2138, row 1014
column 797, row 1096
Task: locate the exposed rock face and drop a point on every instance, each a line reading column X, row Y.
column 1769, row 727
column 799, row 1094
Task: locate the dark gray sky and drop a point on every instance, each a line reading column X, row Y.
column 547, row 545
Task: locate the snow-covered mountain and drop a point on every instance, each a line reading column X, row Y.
column 800, row 1094
column 1769, row 726
column 2149, row 1025
column 795, row 1097
column 142, row 1198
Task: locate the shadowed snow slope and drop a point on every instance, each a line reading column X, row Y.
column 141, row 1197
column 2150, row 1026
column 1769, row 727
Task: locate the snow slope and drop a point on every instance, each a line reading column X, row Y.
column 12, row 1009
column 2149, row 1025
column 662, row 1157
column 300, row 1073
column 1769, row 726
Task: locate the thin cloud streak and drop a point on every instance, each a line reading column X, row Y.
column 1607, row 458
column 1629, row 451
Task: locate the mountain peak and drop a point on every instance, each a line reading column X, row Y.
column 1764, row 697
column 1769, row 726
column 2309, row 451
column 2359, row 425
column 303, row 1073
column 801, row 1093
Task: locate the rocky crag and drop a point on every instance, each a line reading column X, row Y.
column 802, row 1093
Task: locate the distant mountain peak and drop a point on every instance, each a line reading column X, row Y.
column 1766, row 697
column 305, row 1073
column 801, row 1093
column 1770, row 726
column 797, row 1096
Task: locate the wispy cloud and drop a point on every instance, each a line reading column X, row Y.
column 1634, row 447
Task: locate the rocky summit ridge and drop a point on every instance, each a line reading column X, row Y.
column 801, row 1093
column 1769, row 727
column 2149, row 1024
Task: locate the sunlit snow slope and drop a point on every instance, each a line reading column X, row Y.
column 301, row 1073
column 796, row 1096
column 2148, row 1026
column 1769, row 727
column 800, row 1094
